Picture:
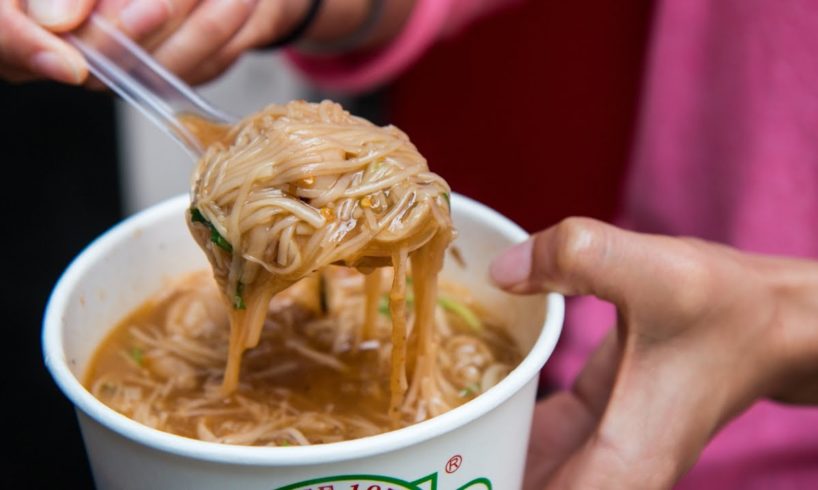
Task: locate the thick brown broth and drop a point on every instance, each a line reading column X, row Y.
column 315, row 376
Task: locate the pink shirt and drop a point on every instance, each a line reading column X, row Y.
column 727, row 150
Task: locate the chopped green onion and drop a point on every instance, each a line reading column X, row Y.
column 461, row 310
column 238, row 300
column 219, row 240
column 448, row 198
column 196, row 216
column 470, row 390
column 137, row 355
column 383, row 304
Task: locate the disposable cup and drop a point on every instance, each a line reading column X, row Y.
column 480, row 445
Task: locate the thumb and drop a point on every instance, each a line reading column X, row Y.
column 60, row 15
column 582, row 256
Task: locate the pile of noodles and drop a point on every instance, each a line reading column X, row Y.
column 175, row 363
column 303, row 186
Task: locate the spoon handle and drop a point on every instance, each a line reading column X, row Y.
column 138, row 78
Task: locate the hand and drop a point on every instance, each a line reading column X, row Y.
column 703, row 331
column 29, row 50
column 197, row 40
column 200, row 39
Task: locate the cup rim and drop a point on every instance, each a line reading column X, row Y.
column 386, row 442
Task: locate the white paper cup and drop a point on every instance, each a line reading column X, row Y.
column 480, row 445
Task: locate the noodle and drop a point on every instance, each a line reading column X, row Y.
column 300, row 351
column 306, row 382
column 304, row 186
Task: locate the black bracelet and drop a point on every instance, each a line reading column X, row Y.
column 300, row 28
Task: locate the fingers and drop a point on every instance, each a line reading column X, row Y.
column 27, row 50
column 585, row 256
column 656, row 423
column 564, row 421
column 650, row 417
column 141, row 18
column 561, row 424
column 60, row 15
column 261, row 27
column 211, row 25
column 178, row 12
column 562, row 258
column 651, row 383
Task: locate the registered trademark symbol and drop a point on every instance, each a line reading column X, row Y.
column 454, row 463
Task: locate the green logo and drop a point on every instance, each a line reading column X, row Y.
column 380, row 482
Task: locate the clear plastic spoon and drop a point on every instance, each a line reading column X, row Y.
column 137, row 77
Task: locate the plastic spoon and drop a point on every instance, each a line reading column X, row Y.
column 137, row 77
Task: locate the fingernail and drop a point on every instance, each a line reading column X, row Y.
column 56, row 67
column 513, row 266
column 140, row 17
column 52, row 12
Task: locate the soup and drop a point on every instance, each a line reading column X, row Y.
column 316, row 375
column 281, row 346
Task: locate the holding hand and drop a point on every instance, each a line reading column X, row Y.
column 29, row 50
column 197, row 40
column 703, row 331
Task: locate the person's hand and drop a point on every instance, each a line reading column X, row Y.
column 703, row 331
column 197, row 40
column 29, row 50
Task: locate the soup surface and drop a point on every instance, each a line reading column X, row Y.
column 317, row 374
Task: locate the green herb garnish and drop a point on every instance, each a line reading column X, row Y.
column 461, row 310
column 196, row 216
column 219, row 240
column 448, row 198
column 470, row 390
column 383, row 306
column 137, row 355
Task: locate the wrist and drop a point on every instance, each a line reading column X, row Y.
column 351, row 25
column 337, row 20
column 794, row 333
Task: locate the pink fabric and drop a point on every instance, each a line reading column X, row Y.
column 727, row 150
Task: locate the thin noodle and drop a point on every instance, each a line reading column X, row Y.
column 306, row 185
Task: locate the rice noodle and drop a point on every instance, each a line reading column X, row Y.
column 301, row 171
column 299, row 347
column 301, row 351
